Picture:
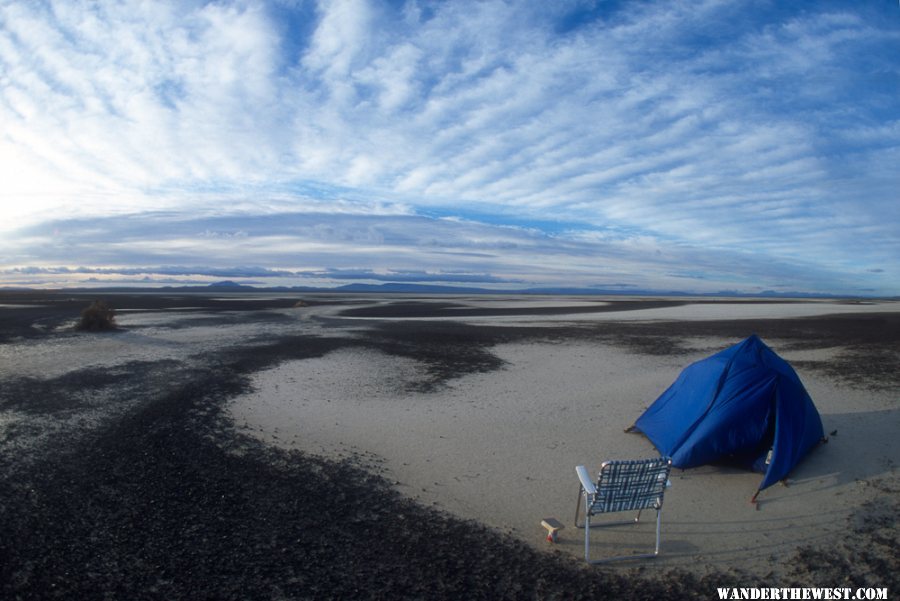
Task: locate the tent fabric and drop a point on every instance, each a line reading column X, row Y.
column 736, row 405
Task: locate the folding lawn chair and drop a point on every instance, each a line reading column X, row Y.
column 632, row 485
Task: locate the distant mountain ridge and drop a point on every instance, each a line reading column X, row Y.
column 226, row 286
column 406, row 288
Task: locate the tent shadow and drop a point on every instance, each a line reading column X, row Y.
column 861, row 447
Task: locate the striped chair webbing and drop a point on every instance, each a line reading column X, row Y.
column 631, row 485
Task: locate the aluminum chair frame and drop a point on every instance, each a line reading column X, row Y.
column 622, row 485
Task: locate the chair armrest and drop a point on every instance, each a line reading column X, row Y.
column 585, row 478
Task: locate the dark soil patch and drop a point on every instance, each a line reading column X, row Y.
column 74, row 390
column 869, row 343
column 226, row 318
column 433, row 309
column 39, row 314
column 867, row 557
column 869, row 355
column 447, row 349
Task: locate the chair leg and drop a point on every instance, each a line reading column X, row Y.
column 587, row 536
column 658, row 519
column 578, row 504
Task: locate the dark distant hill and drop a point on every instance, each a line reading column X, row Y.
column 229, row 284
column 399, row 287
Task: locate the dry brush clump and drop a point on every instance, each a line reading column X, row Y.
column 97, row 317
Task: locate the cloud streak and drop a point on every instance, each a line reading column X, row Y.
column 750, row 146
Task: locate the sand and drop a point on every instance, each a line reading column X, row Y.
column 500, row 447
column 383, row 447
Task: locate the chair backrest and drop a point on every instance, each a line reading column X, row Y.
column 631, row 485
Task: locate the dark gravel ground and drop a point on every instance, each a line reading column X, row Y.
column 165, row 500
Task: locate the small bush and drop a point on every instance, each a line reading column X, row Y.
column 98, row 317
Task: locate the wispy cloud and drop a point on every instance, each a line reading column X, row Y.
column 682, row 145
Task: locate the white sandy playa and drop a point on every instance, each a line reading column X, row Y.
column 501, row 447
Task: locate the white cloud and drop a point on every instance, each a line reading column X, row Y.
column 700, row 125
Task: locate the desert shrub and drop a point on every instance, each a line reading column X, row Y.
column 98, row 317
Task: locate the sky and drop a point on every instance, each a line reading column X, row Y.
column 694, row 146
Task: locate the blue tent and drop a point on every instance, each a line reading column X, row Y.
column 737, row 405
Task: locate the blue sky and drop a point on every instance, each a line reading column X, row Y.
column 696, row 146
